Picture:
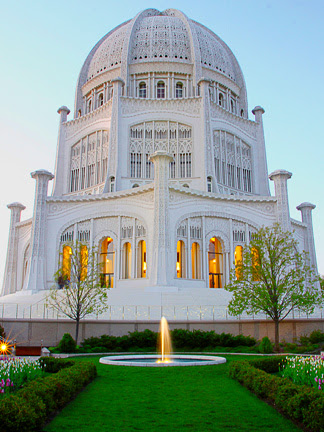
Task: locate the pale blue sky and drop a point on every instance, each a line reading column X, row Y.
column 279, row 45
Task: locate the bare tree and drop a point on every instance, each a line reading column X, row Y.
column 79, row 291
column 274, row 278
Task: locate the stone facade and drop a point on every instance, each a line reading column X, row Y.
column 160, row 165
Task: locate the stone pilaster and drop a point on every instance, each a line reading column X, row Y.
column 160, row 274
column 113, row 152
column 306, row 212
column 58, row 188
column 36, row 277
column 207, row 134
column 280, row 178
column 10, row 274
column 261, row 175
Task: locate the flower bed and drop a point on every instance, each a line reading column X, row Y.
column 305, row 370
column 14, row 372
column 301, row 403
column 27, row 409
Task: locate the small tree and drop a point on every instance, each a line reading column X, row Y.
column 79, row 291
column 273, row 277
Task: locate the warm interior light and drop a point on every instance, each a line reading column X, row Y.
column 178, row 266
column 214, row 260
column 107, row 260
column 144, row 266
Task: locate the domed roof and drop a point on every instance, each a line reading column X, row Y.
column 154, row 36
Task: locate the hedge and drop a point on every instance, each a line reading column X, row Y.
column 28, row 408
column 181, row 339
column 298, row 402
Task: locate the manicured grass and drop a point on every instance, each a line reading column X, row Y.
column 195, row 399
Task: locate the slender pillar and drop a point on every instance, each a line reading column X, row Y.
column 60, row 177
column 306, row 212
column 280, row 178
column 10, row 275
column 161, row 243
column 36, row 277
column 261, row 186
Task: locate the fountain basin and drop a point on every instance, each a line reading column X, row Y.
column 151, row 360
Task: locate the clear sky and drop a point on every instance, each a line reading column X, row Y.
column 278, row 43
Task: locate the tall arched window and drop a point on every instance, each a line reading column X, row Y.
column 127, row 261
column 209, row 184
column 179, row 90
column 238, row 256
column 142, row 89
column 160, row 90
column 141, row 259
column 83, row 262
column 100, row 100
column 255, row 264
column 195, row 261
column 112, row 184
column 66, row 262
column 89, row 106
column 107, row 260
column 215, row 261
column 181, row 260
column 220, row 99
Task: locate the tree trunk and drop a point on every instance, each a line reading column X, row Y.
column 276, row 323
column 77, row 330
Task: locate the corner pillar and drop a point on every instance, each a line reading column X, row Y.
column 280, row 178
column 58, row 187
column 262, row 184
column 10, row 275
column 306, row 213
column 36, row 278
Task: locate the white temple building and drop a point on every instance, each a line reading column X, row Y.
column 160, row 168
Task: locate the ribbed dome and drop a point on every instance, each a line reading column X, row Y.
column 155, row 37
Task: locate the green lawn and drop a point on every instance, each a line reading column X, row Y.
column 172, row 399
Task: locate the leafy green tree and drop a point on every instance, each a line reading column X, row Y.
column 273, row 277
column 78, row 291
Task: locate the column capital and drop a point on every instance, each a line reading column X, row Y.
column 281, row 173
column 64, row 112
column 258, row 112
column 42, row 173
column 161, row 154
column 16, row 205
column 306, row 205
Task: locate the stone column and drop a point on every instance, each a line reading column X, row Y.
column 10, row 275
column 280, row 178
column 113, row 153
column 160, row 274
column 306, row 212
column 37, row 277
column 261, row 183
column 58, row 188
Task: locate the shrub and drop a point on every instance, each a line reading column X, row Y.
column 316, row 336
column 67, row 344
column 265, row 346
column 299, row 402
column 27, row 409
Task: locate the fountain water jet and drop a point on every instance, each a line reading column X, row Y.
column 166, row 358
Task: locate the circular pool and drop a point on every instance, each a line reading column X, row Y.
column 154, row 360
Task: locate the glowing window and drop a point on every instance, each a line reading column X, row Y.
column 107, row 261
column 238, row 256
column 195, row 261
column 66, row 262
column 181, row 260
column 215, row 263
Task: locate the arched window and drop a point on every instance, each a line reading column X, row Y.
column 242, row 112
column 238, row 257
column 66, row 263
column 160, row 90
column 195, row 261
column 179, row 90
column 220, row 99
column 181, row 260
column 127, row 261
column 107, row 261
column 215, row 260
column 232, row 106
column 89, row 106
column 100, row 99
column 142, row 90
column 112, row 184
column 255, row 264
column 141, row 259
column 79, row 113
column 83, row 262
column 209, row 184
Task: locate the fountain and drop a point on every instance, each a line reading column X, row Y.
column 165, row 358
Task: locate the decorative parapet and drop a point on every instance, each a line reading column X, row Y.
column 190, row 106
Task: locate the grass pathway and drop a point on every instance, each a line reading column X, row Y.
column 167, row 399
